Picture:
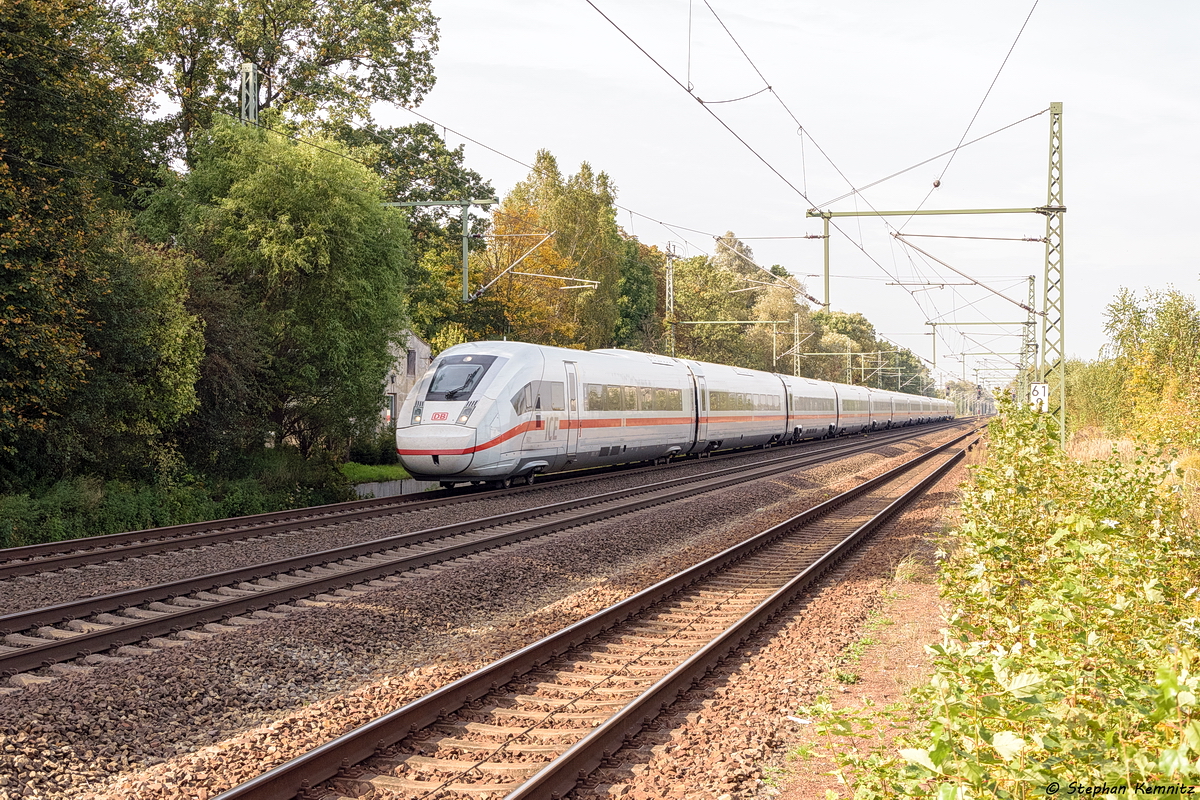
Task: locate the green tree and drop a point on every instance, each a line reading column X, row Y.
column 300, row 235
column 637, row 327
column 579, row 209
column 147, row 348
column 1094, row 400
column 856, row 326
column 326, row 61
column 1155, row 346
column 66, row 112
column 704, row 293
column 416, row 165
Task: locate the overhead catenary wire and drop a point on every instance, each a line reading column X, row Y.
column 937, row 183
column 960, row 146
column 857, row 192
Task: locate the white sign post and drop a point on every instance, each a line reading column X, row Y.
column 1039, row 396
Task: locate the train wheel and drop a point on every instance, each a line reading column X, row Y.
column 529, row 479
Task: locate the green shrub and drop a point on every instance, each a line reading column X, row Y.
column 86, row 506
column 1072, row 653
column 377, row 449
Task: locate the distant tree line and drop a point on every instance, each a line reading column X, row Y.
column 186, row 301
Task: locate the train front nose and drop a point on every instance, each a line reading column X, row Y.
column 435, row 451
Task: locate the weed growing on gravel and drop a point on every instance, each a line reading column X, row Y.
column 1073, row 653
column 803, row 752
column 908, row 569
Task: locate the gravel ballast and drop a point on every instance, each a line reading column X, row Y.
column 194, row 720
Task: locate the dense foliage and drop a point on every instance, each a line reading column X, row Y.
column 1074, row 644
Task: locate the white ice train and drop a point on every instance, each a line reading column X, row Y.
column 499, row 412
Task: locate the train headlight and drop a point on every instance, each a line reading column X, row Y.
column 416, row 415
column 466, row 412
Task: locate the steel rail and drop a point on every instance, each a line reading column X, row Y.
column 298, row 775
column 34, row 656
column 49, row 556
column 585, row 756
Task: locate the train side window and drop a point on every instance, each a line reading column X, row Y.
column 556, row 395
column 612, row 398
column 594, row 392
column 647, row 398
column 668, row 399
column 630, row 397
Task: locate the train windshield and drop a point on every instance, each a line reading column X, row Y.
column 458, row 376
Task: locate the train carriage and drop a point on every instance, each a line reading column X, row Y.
column 637, row 407
column 812, row 407
column 854, row 408
column 880, row 404
column 745, row 408
column 901, row 410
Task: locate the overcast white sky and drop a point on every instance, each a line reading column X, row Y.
column 879, row 85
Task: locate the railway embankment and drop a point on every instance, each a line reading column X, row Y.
column 1068, row 662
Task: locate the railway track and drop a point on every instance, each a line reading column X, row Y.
column 537, row 722
column 43, row 637
column 76, row 553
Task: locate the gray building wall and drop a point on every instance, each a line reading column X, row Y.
column 409, row 363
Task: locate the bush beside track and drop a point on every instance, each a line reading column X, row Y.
column 87, row 506
column 1071, row 658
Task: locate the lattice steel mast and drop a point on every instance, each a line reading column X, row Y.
column 1053, row 352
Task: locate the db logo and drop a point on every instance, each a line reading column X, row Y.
column 439, row 416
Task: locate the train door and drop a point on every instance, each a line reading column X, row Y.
column 573, row 409
column 701, row 412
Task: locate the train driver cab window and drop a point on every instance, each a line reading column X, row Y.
column 457, row 377
column 557, row 402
